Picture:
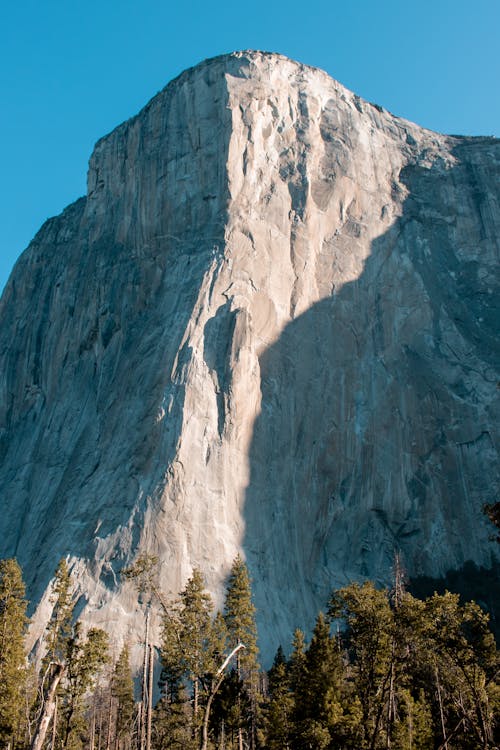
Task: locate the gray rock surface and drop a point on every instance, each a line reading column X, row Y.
column 270, row 327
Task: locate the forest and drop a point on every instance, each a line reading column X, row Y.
column 381, row 669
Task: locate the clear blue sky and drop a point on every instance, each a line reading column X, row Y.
column 71, row 70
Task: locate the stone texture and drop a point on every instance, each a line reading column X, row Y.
column 270, row 326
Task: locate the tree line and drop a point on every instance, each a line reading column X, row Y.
column 382, row 669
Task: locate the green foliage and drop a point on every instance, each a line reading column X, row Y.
column 239, row 615
column 400, row 673
column 318, row 685
column 367, row 615
column 413, row 728
column 195, row 632
column 84, row 659
column 81, row 657
column 144, row 574
column 122, row 690
column 279, row 710
column 172, row 721
column 424, row 671
column 191, row 644
column 13, row 673
column 59, row 627
column 193, row 649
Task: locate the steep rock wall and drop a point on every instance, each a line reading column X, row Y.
column 270, row 326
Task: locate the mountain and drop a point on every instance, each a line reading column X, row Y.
column 271, row 326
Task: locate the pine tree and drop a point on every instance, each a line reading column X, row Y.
column 369, row 623
column 278, row 723
column 297, row 659
column 413, row 727
column 192, row 650
column 172, row 723
column 239, row 615
column 318, row 687
column 122, row 689
column 59, row 627
column 83, row 660
column 462, row 664
column 57, row 641
column 13, row 624
column 195, row 631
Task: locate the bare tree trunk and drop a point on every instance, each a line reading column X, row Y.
column 110, row 721
column 240, row 730
column 213, row 689
column 99, row 742
column 54, row 725
column 445, row 741
column 150, row 699
column 144, row 686
column 92, row 727
column 49, row 707
column 139, row 719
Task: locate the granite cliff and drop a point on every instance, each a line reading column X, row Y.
column 269, row 327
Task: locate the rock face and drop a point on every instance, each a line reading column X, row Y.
column 269, row 327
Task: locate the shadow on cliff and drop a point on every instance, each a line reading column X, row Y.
column 115, row 466
column 99, row 368
column 374, row 432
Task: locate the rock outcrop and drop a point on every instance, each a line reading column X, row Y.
column 270, row 327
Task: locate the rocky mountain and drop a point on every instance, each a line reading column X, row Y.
column 271, row 326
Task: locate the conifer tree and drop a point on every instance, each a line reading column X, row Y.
column 83, row 660
column 13, row 623
column 192, row 648
column 297, row 659
column 59, row 627
column 319, row 685
column 278, row 723
column 172, row 721
column 239, row 615
column 367, row 614
column 57, row 640
column 71, row 663
column 195, row 630
column 122, row 689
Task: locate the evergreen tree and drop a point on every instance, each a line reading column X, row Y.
column 172, row 720
column 368, row 618
column 413, row 727
column 59, row 627
column 58, row 637
column 13, row 674
column 83, row 660
column 297, row 660
column 122, row 689
column 239, row 616
column 318, row 688
column 192, row 651
column 278, row 723
column 195, row 633
column 72, row 663
column 462, row 663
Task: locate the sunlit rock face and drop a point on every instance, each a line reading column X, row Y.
column 269, row 327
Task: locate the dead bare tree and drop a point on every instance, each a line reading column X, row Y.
column 48, row 706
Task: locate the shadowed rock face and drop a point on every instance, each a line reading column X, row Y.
column 269, row 327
